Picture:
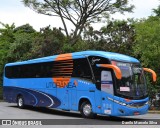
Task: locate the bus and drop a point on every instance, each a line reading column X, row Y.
column 91, row 82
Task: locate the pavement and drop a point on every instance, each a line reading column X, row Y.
column 9, row 111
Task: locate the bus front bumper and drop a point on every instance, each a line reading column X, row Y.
column 120, row 110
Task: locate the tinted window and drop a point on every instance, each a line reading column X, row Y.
column 82, row 69
column 41, row 70
column 97, row 70
column 64, row 68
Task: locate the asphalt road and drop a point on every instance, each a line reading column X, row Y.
column 56, row 117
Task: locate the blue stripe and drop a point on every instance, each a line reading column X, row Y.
column 106, row 82
column 35, row 98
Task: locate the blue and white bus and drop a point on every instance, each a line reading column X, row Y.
column 92, row 82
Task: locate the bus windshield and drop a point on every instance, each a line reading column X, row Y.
column 132, row 85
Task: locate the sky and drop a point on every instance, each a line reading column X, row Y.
column 13, row 11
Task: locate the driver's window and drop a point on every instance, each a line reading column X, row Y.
column 97, row 70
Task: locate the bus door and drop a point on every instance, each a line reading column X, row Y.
column 63, row 95
column 106, row 84
column 68, row 95
column 72, row 94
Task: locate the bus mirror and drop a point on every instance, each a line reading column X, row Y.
column 154, row 76
column 115, row 68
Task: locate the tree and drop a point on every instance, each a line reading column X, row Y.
column 147, row 46
column 116, row 36
column 19, row 49
column 23, row 38
column 147, row 41
column 15, row 42
column 24, row 29
column 78, row 12
column 157, row 11
column 6, row 33
column 6, row 38
column 47, row 42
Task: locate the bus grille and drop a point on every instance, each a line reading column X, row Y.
column 137, row 105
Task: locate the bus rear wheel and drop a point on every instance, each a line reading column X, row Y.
column 20, row 102
column 86, row 110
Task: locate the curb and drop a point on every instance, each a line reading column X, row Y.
column 154, row 112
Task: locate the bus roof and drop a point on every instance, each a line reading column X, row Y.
column 108, row 55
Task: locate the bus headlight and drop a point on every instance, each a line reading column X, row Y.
column 116, row 101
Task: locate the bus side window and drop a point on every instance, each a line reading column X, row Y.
column 81, row 69
column 9, row 72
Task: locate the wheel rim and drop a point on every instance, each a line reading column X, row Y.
column 87, row 109
column 20, row 102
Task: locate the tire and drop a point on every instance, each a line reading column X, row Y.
column 20, row 102
column 86, row 110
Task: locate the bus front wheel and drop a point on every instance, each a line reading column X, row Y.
column 20, row 102
column 86, row 110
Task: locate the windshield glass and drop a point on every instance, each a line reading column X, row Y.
column 132, row 85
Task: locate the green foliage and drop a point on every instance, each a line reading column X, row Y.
column 14, row 44
column 147, row 41
column 116, row 36
column 6, row 33
column 147, row 46
column 24, row 29
column 47, row 42
column 22, row 43
column 152, row 87
column 20, row 47
column 119, row 36
column 157, row 11
column 81, row 45
column 6, row 38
